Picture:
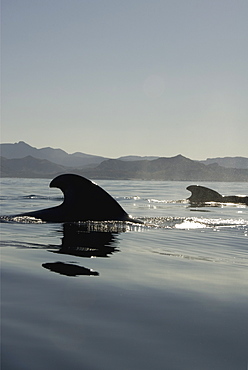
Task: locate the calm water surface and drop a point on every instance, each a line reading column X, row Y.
column 172, row 294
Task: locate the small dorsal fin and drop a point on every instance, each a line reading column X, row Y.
column 203, row 194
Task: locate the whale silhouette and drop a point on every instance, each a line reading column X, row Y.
column 83, row 201
column 201, row 194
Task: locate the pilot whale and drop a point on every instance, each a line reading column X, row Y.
column 201, row 194
column 83, row 201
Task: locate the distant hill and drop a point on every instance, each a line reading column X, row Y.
column 137, row 158
column 228, row 162
column 177, row 168
column 30, row 167
column 23, row 160
column 58, row 156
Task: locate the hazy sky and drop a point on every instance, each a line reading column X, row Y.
column 119, row 77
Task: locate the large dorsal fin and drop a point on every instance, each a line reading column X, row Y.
column 83, row 201
column 86, row 199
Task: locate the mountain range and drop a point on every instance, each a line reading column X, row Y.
column 23, row 160
column 58, row 156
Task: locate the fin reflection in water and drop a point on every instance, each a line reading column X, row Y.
column 68, row 269
column 79, row 240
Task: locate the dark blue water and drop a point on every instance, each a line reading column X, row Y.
column 172, row 294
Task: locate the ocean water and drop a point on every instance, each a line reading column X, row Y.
column 169, row 294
